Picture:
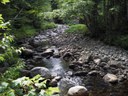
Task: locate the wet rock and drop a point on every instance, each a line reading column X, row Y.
column 27, row 46
column 38, row 57
column 44, row 72
column 31, row 62
column 78, row 62
column 24, row 72
column 102, row 64
column 64, row 85
column 110, row 78
column 105, row 59
column 93, row 73
column 67, row 55
column 84, row 58
column 56, row 55
column 72, row 66
column 58, row 78
column 113, row 63
column 48, row 52
column 39, row 42
column 29, row 67
column 53, row 83
column 27, row 53
column 122, row 78
column 97, row 61
column 81, row 73
column 78, row 91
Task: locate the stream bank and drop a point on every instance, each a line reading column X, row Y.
column 102, row 69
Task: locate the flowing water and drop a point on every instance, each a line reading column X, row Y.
column 57, row 66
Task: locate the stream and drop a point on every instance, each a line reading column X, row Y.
column 106, row 59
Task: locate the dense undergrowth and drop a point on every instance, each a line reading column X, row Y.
column 25, row 86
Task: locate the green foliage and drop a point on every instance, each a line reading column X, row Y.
column 78, row 28
column 12, row 72
column 121, row 41
column 26, row 86
column 10, row 53
column 24, row 32
column 4, row 1
column 48, row 25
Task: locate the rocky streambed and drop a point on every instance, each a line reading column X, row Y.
column 70, row 60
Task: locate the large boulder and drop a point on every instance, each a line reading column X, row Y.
column 44, row 72
column 77, row 91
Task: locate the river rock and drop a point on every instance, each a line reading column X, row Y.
column 114, row 63
column 58, row 78
column 97, row 61
column 85, row 58
column 77, row 91
column 27, row 52
column 93, row 73
column 110, row 78
column 40, row 42
column 48, row 52
column 53, row 83
column 67, row 55
column 27, row 46
column 37, row 58
column 29, row 66
column 105, row 59
column 56, row 55
column 72, row 66
column 24, row 72
column 64, row 85
column 44, row 72
column 81, row 73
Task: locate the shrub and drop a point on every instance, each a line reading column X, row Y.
column 12, row 72
column 78, row 28
column 25, row 31
column 26, row 86
column 10, row 54
column 122, row 41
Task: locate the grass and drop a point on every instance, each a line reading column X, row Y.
column 78, row 28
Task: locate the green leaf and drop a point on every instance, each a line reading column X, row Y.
column 11, row 93
column 5, row 1
column 2, row 58
column 4, row 84
column 52, row 90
